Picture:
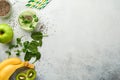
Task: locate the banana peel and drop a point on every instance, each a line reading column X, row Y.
column 10, row 65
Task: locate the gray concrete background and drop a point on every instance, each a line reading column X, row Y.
column 83, row 42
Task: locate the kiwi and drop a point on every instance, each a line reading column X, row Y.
column 21, row 76
column 19, row 70
column 31, row 74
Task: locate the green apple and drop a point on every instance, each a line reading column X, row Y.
column 6, row 33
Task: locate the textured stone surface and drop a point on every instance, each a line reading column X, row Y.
column 83, row 42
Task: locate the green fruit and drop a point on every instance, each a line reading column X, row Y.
column 28, row 20
column 21, row 76
column 6, row 33
column 31, row 74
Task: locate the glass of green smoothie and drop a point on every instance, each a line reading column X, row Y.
column 28, row 20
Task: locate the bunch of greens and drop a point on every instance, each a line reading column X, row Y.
column 30, row 48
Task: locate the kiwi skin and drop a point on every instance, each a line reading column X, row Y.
column 31, row 74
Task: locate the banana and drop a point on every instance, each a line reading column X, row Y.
column 27, row 64
column 31, row 66
column 9, row 66
column 10, row 61
column 6, row 72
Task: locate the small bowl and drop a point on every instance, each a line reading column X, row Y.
column 31, row 17
column 3, row 2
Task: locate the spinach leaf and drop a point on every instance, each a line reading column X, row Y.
column 28, row 56
column 38, row 56
column 40, row 42
column 37, row 36
column 19, row 41
column 33, row 46
column 8, row 52
column 18, row 53
column 11, row 46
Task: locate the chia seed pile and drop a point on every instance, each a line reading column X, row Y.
column 4, row 8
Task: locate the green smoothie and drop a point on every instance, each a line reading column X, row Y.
column 28, row 20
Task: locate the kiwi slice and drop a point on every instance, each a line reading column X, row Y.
column 31, row 74
column 21, row 76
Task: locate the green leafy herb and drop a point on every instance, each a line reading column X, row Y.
column 19, row 41
column 37, row 36
column 31, row 26
column 36, row 19
column 26, row 21
column 30, row 48
column 34, row 16
column 28, row 56
column 18, row 53
column 21, row 17
column 8, row 52
column 11, row 46
column 25, row 44
column 38, row 56
column 40, row 42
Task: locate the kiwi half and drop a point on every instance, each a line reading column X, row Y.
column 31, row 74
column 19, row 70
column 23, row 73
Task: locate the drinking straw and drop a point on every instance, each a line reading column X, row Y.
column 38, row 4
